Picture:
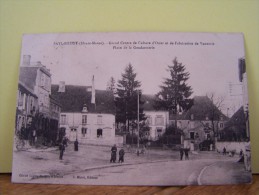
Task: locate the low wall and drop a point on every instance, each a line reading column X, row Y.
column 231, row 146
column 118, row 140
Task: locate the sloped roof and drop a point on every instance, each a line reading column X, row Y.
column 199, row 110
column 238, row 119
column 28, row 76
column 74, row 98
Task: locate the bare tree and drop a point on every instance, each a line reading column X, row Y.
column 211, row 110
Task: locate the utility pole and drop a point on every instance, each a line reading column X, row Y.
column 138, row 118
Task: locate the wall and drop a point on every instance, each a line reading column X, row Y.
column 75, row 120
column 231, row 146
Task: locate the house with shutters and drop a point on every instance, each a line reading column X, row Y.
column 87, row 115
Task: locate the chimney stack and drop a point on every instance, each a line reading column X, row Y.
column 61, row 87
column 26, row 60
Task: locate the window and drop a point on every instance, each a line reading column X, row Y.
column 159, row 132
column 46, row 84
column 149, row 120
column 191, row 135
column 208, row 136
column 63, row 119
column 99, row 119
column 84, row 131
column 159, row 120
column 221, row 125
column 84, row 119
column 99, row 133
column 42, row 79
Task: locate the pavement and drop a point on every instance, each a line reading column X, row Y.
column 91, row 157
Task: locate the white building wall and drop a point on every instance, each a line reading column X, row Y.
column 157, row 128
column 74, row 125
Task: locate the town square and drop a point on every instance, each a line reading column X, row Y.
column 92, row 114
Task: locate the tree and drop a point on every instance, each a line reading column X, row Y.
column 111, row 85
column 126, row 99
column 175, row 92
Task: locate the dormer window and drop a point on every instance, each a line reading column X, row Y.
column 85, row 108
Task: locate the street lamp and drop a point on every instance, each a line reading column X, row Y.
column 138, row 119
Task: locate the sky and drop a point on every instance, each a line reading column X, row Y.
column 210, row 58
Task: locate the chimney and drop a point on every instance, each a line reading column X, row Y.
column 93, row 91
column 26, row 60
column 38, row 63
column 62, row 87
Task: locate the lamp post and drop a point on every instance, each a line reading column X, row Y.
column 138, row 119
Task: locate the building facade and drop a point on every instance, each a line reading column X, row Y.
column 201, row 124
column 37, row 77
column 26, row 108
column 86, row 115
column 157, row 122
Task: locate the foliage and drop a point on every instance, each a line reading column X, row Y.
column 126, row 99
column 172, row 130
column 111, row 85
column 175, row 92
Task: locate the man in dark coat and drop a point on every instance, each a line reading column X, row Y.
column 121, row 155
column 76, row 145
column 61, row 149
column 186, row 153
column 113, row 153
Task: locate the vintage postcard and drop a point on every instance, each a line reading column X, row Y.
column 138, row 109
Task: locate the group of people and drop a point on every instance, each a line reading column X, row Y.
column 62, row 146
column 185, row 152
column 114, row 154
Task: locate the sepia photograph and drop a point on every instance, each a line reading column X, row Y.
column 132, row 109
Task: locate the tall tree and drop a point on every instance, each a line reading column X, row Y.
column 111, row 85
column 126, row 99
column 175, row 92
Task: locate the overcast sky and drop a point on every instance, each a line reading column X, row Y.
column 211, row 59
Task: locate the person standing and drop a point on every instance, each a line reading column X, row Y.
column 76, row 145
column 224, row 151
column 181, row 153
column 121, row 155
column 186, row 153
column 113, row 153
column 61, row 150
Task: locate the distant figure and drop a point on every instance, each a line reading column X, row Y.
column 76, row 145
column 181, row 153
column 61, row 149
column 113, row 154
column 186, row 153
column 224, row 151
column 121, row 155
column 241, row 155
